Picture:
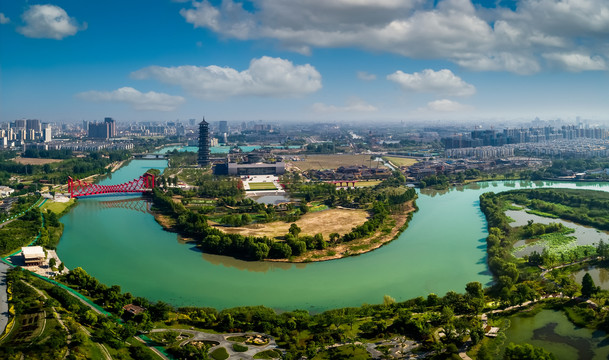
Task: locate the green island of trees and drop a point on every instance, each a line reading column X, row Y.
column 220, row 199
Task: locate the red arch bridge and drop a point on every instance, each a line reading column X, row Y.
column 80, row 188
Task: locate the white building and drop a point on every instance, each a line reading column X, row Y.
column 5, row 191
column 46, row 133
column 33, row 255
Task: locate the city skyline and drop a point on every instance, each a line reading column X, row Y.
column 389, row 60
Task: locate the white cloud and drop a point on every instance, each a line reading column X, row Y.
column 362, row 75
column 4, row 19
column 442, row 82
column 577, row 62
column 353, row 105
column 446, row 105
column 266, row 76
column 478, row 38
column 138, row 100
column 49, row 22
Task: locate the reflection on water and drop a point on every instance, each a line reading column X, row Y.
column 134, row 202
column 599, row 275
column 256, row 266
column 272, row 199
column 552, row 331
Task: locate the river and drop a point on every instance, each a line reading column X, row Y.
column 118, row 242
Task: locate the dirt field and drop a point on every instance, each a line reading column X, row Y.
column 326, row 222
column 358, row 246
column 332, row 161
column 399, row 161
column 35, row 161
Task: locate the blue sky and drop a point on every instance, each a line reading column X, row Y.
column 314, row 60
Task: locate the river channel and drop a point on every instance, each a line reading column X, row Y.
column 116, row 240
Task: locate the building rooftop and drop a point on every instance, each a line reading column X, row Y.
column 33, row 252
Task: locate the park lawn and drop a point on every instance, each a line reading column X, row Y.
column 57, row 207
column 262, row 186
column 343, row 352
column 400, row 161
column 268, row 354
column 318, row 162
column 219, row 354
column 325, row 222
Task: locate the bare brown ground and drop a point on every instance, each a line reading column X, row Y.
column 362, row 245
column 35, row 161
column 165, row 221
column 325, row 222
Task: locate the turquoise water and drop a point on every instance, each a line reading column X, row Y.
column 443, row 249
column 552, row 331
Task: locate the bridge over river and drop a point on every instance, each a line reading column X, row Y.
column 81, row 188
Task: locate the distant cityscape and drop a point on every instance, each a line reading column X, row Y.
column 456, row 142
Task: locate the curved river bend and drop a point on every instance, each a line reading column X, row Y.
column 118, row 242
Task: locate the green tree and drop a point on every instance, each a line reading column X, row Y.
column 527, row 352
column 52, row 262
column 588, row 286
column 295, row 230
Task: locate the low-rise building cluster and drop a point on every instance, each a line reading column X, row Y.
column 350, row 173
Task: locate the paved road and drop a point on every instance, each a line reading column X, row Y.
column 3, row 297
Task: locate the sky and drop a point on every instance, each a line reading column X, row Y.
column 304, row 61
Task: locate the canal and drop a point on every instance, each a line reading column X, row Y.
column 444, row 248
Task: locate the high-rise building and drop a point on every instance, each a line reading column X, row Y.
column 99, row 130
column 203, row 143
column 19, row 124
column 46, row 133
column 223, row 127
column 32, row 124
column 85, row 126
column 111, row 126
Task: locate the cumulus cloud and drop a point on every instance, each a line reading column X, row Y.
column 138, row 100
column 362, row 75
column 477, row 38
column 353, row 105
column 446, row 105
column 577, row 62
column 266, row 76
column 49, row 22
column 4, row 19
column 442, row 82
